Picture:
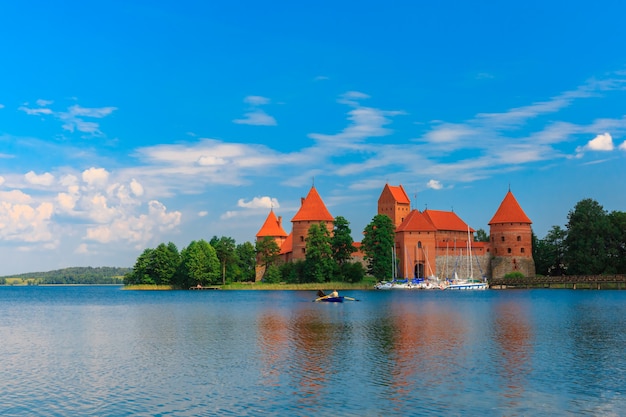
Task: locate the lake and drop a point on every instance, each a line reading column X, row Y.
column 105, row 351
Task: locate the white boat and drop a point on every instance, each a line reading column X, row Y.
column 467, row 283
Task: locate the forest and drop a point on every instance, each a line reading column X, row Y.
column 70, row 276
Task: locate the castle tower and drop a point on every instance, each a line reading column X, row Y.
column 510, row 236
column 272, row 228
column 394, row 203
column 312, row 210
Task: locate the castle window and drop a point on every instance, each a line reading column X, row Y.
column 519, row 238
column 419, row 245
column 522, row 250
column 303, row 250
column 496, row 249
column 508, row 250
column 503, row 238
column 301, row 238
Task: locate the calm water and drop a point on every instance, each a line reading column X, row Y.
column 103, row 351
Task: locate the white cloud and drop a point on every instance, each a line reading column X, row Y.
column 258, row 202
column 82, row 249
column 256, row 117
column 95, row 176
column 256, row 100
column 15, row 197
column 365, row 122
column 136, row 188
column 211, row 160
column 1, row 180
column 25, row 223
column 603, row 142
column 622, row 147
column 434, row 185
column 45, row 179
column 73, row 118
column 43, row 103
column 203, row 213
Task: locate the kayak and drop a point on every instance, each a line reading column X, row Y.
column 338, row 299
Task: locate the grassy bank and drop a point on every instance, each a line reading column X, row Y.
column 367, row 284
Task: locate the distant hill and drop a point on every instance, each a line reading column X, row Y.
column 73, row 275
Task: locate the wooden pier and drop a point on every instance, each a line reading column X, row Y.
column 210, row 287
column 576, row 282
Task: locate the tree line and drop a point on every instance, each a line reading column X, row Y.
column 328, row 257
column 73, row 276
column 592, row 243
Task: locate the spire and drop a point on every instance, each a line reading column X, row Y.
column 313, row 209
column 510, row 211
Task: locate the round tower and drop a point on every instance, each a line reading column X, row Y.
column 510, row 236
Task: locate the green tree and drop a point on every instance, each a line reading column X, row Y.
column 481, row 236
column 341, row 242
column 268, row 252
column 246, row 262
column 141, row 273
column 549, row 253
column 617, row 242
column 225, row 250
column 163, row 263
column 586, row 243
column 320, row 265
column 199, row 265
column 377, row 245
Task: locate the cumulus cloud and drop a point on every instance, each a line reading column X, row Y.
column 203, row 213
column 434, row 185
column 95, row 176
column 602, row 143
column 622, row 147
column 256, row 116
column 45, row 179
column 24, row 222
column 136, row 188
column 258, row 202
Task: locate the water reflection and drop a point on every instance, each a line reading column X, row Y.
column 513, row 334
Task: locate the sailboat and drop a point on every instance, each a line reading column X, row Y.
column 467, row 283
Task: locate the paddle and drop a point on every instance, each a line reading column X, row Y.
column 350, row 298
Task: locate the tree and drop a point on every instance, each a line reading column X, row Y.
column 586, row 243
column 377, row 244
column 481, row 236
column 549, row 253
column 320, row 266
column 246, row 262
column 617, row 242
column 164, row 261
column 141, row 270
column 199, row 265
column 268, row 252
column 341, row 242
column 225, row 250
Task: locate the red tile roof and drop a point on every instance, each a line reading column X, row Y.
column 447, row 220
column 399, row 194
column 272, row 227
column 416, row 221
column 313, row 209
column 510, row 212
column 287, row 245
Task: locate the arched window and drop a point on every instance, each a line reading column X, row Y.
column 519, row 238
column 419, row 244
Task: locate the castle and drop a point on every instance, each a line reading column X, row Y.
column 427, row 243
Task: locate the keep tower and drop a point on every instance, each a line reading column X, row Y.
column 510, row 236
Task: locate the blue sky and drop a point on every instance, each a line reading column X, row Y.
column 124, row 124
